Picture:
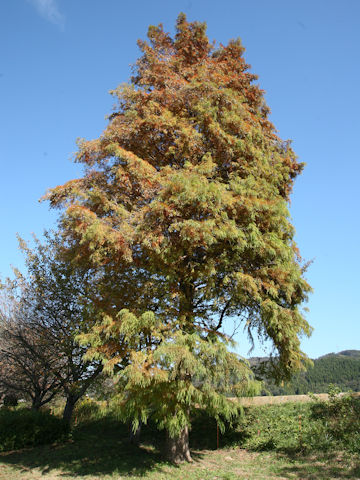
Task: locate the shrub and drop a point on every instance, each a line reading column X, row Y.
column 341, row 418
column 10, row 400
column 276, row 427
column 334, row 424
column 88, row 410
column 24, row 428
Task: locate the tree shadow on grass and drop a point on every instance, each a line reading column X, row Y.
column 321, row 466
column 97, row 448
column 205, row 434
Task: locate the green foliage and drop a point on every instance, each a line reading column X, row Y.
column 88, row 410
column 171, row 373
column 101, row 449
column 342, row 370
column 331, row 425
column 24, row 428
column 276, row 427
column 10, row 400
column 341, row 418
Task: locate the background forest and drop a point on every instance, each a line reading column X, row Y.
column 341, row 369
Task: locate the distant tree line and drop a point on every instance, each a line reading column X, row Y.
column 341, row 369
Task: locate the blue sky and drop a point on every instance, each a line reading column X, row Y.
column 59, row 59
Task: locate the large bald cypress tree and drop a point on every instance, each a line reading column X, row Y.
column 185, row 195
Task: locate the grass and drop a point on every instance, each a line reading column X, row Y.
column 99, row 449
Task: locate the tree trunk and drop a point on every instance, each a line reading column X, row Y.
column 36, row 402
column 177, row 449
column 135, row 437
column 69, row 408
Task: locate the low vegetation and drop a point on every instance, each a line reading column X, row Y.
column 304, row 427
column 315, row 440
column 21, row 428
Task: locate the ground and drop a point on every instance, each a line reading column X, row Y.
column 101, row 451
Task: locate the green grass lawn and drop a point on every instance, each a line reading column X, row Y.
column 100, row 450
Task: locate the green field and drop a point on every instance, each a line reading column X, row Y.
column 276, row 441
column 96, row 454
column 117, row 462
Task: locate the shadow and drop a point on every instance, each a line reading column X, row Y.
column 99, row 447
column 204, row 434
column 320, row 466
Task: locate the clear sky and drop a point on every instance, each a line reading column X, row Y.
column 59, row 59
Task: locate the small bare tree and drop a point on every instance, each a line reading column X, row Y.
column 28, row 364
column 42, row 314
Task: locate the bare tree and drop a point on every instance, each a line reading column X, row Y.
column 54, row 303
column 28, row 365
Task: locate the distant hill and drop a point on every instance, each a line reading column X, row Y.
column 344, row 353
column 341, row 369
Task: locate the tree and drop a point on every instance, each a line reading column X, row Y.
column 185, row 194
column 171, row 373
column 55, row 302
column 27, row 361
